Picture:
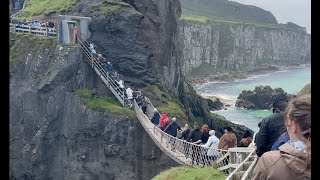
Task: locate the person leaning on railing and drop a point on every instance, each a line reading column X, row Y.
column 293, row 159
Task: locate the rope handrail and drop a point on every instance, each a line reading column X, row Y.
column 183, row 152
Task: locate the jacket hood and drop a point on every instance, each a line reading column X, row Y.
column 293, row 158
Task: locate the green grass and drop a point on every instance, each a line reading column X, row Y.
column 188, row 173
column 27, row 43
column 305, row 90
column 69, row 44
column 172, row 109
column 108, row 7
column 196, row 19
column 106, row 104
column 46, row 7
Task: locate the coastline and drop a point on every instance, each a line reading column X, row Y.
column 240, row 75
column 234, row 76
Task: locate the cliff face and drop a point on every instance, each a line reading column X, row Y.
column 54, row 136
column 241, row 46
column 140, row 39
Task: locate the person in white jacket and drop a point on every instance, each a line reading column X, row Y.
column 212, row 146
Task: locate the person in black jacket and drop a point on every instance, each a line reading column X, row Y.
column 185, row 132
column 156, row 117
column 272, row 126
column 172, row 128
column 193, row 137
column 195, row 133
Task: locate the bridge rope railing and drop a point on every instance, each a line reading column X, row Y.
column 190, row 154
column 100, row 70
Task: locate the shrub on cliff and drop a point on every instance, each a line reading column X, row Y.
column 305, row 90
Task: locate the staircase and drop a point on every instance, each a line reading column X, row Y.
column 101, row 72
column 245, row 169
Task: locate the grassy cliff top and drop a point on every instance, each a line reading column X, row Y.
column 188, row 173
column 46, row 7
column 27, row 43
column 229, row 12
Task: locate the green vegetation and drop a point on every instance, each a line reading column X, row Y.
column 107, row 104
column 305, row 90
column 169, row 106
column 196, row 19
column 188, row 173
column 46, row 7
column 69, row 44
column 172, row 109
column 108, row 7
column 27, row 43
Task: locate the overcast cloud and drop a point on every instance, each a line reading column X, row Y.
column 296, row 11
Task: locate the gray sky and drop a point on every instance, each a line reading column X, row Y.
column 296, row 11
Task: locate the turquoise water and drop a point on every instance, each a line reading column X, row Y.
column 291, row 81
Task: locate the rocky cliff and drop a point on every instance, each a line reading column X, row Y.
column 212, row 46
column 53, row 135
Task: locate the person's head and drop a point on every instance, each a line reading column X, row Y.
column 227, row 129
column 204, row 128
column 186, row 126
column 155, row 110
column 246, row 134
column 100, row 55
column 298, row 121
column 174, row 119
column 212, row 133
column 195, row 124
column 108, row 62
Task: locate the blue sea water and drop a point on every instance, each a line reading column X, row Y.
column 290, row 80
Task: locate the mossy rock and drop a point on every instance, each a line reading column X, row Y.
column 104, row 104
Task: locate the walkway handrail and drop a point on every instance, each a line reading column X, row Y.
column 248, row 172
column 42, row 31
column 104, row 75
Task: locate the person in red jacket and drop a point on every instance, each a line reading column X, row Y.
column 163, row 120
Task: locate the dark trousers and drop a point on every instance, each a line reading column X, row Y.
column 144, row 109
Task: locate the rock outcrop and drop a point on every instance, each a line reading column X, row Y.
column 53, row 135
column 213, row 46
column 261, row 97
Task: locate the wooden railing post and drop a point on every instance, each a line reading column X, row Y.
column 46, row 30
column 30, row 30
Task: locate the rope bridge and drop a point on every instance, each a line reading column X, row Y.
column 237, row 162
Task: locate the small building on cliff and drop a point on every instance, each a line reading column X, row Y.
column 66, row 27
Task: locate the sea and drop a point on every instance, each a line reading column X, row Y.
column 291, row 80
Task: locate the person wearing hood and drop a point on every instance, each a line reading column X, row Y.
column 246, row 139
column 293, row 159
column 272, row 126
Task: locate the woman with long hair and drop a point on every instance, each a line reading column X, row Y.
column 293, row 159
